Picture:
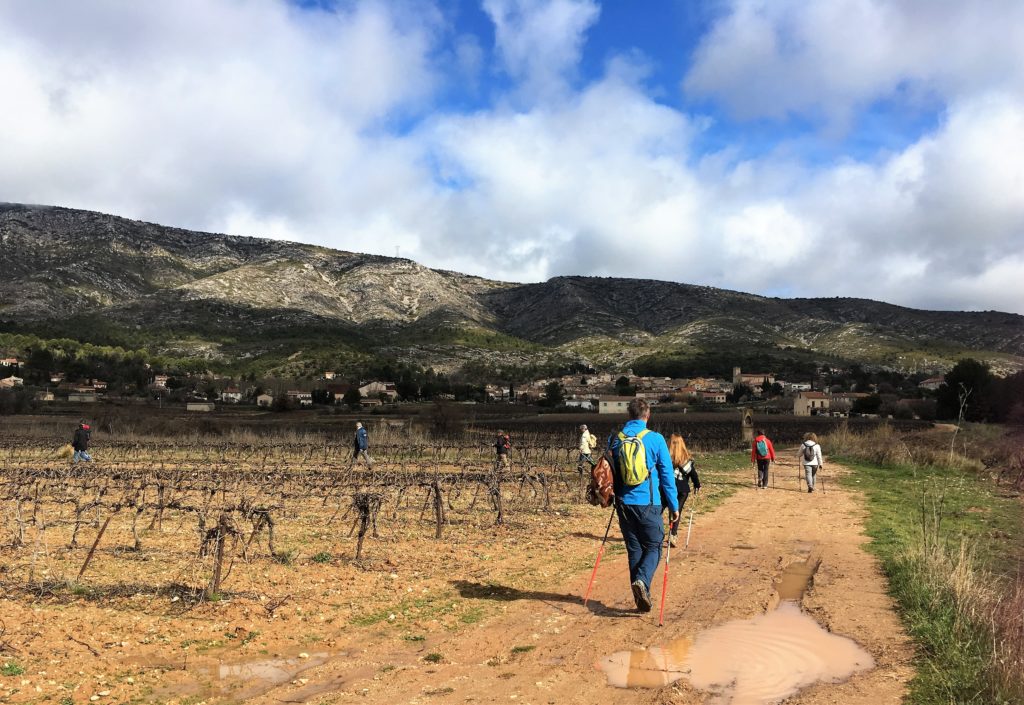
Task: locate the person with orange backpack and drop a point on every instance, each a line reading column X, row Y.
column 643, row 480
column 762, row 454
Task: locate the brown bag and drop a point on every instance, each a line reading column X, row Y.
column 601, row 491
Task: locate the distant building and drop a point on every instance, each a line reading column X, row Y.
column 44, row 396
column 797, row 386
column 265, row 400
column 56, row 377
column 752, row 379
column 232, row 395
column 932, row 383
column 160, row 380
column 82, row 397
column 10, row 382
column 203, row 406
column 301, row 398
column 584, row 404
column 329, row 375
column 613, row 405
column 810, row 404
column 374, row 390
column 9, row 362
column 713, row 397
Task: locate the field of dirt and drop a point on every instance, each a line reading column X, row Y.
column 488, row 614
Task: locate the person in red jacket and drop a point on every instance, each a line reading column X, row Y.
column 762, row 454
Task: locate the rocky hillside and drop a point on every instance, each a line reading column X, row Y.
column 63, row 265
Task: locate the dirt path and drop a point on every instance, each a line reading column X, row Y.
column 542, row 647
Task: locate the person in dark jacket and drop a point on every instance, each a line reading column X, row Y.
column 361, row 446
column 80, row 443
column 502, row 446
column 686, row 472
column 639, row 506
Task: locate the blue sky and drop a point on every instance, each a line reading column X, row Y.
column 787, row 147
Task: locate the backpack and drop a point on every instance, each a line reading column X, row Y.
column 762, row 447
column 808, row 453
column 601, row 490
column 633, row 459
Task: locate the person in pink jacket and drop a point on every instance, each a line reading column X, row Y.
column 762, row 453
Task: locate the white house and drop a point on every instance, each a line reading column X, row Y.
column 231, row 394
column 373, row 390
column 585, row 404
column 301, row 398
column 264, row 400
column 8, row 382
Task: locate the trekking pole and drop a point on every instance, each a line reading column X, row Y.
column 593, row 573
column 664, row 582
column 689, row 528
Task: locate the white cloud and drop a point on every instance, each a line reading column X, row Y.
column 771, row 58
column 540, row 41
column 319, row 127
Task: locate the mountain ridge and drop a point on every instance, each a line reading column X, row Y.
column 70, row 265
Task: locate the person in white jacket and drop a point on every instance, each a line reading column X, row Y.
column 588, row 442
column 810, row 457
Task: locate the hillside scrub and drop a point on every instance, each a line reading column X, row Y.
column 945, row 534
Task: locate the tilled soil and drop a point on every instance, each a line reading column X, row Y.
column 544, row 646
column 481, row 617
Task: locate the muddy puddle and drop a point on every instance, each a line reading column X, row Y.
column 250, row 678
column 755, row 661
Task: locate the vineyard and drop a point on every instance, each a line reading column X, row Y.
column 223, row 502
column 178, row 552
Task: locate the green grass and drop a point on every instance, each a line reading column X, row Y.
column 11, row 668
column 907, row 508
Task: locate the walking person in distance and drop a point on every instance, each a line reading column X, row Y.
column 361, row 446
column 762, row 454
column 810, row 458
column 588, row 442
column 502, row 448
column 643, row 481
column 80, row 443
column 685, row 472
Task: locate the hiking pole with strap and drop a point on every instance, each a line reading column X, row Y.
column 593, row 573
column 690, row 527
column 664, row 582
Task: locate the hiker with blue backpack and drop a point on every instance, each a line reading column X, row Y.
column 643, row 480
column 763, row 454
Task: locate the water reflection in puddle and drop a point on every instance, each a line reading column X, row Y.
column 755, row 661
column 255, row 677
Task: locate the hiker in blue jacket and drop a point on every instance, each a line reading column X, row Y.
column 361, row 446
column 638, row 504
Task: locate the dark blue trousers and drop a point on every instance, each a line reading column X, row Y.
column 643, row 533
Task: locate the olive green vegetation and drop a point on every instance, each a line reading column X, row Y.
column 943, row 537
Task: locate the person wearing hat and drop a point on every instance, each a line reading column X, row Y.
column 588, row 442
column 80, row 443
column 361, row 446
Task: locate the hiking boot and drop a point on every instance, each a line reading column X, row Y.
column 672, row 540
column 810, row 489
column 641, row 596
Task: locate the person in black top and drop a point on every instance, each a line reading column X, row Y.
column 83, row 434
column 685, row 472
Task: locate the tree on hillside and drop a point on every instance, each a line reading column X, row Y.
column 554, row 394
column 741, row 392
column 352, row 398
column 623, row 388
column 968, row 384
